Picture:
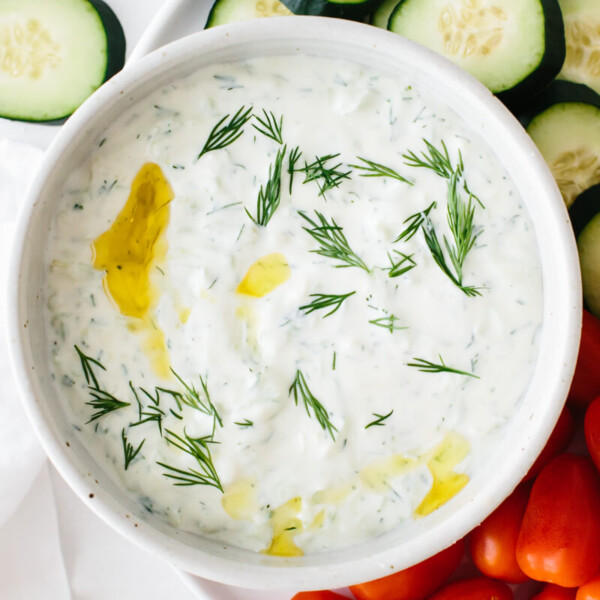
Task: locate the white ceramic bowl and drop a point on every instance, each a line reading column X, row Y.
column 530, row 426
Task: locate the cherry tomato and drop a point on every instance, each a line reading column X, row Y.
column 555, row 592
column 493, row 544
column 416, row 582
column 559, row 440
column 559, row 540
column 586, row 381
column 479, row 588
column 592, row 430
column 320, row 595
column 590, row 590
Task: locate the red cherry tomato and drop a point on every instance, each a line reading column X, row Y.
column 590, row 590
column 592, row 430
column 559, row 441
column 480, row 588
column 320, row 595
column 586, row 381
column 416, row 582
column 555, row 592
column 559, row 540
column 493, row 544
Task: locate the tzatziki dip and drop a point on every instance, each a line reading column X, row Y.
column 292, row 303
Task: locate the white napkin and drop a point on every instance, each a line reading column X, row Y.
column 21, row 456
column 29, row 568
column 33, row 568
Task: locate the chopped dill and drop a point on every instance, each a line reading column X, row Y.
column 327, row 177
column 197, row 448
column 269, row 196
column 269, row 126
column 322, row 301
column 388, row 323
column 380, row 420
column 300, row 389
column 332, row 242
column 223, row 134
column 374, row 169
column 128, row 451
column 427, row 366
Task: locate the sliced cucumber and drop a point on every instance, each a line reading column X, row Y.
column 343, row 9
column 587, row 216
column 557, row 92
column 382, row 14
column 514, row 47
column 233, row 11
column 54, row 54
column 585, row 207
column 568, row 136
column 582, row 32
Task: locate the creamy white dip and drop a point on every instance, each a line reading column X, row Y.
column 369, row 468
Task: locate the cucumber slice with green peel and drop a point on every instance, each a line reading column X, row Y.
column 585, row 207
column 582, row 33
column 514, row 47
column 54, row 54
column 588, row 244
column 568, row 136
column 557, row 92
column 233, row 11
column 346, row 9
column 382, row 14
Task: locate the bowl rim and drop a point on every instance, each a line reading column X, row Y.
column 292, row 31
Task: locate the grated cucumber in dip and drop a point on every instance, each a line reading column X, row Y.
column 292, row 303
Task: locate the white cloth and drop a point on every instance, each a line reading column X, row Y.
column 21, row 456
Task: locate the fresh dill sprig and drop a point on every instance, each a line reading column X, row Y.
column 128, row 451
column 439, row 162
column 332, row 241
column 427, row 366
column 193, row 398
column 300, row 389
column 434, row 159
column 269, row 196
column 325, row 301
column 223, row 134
column 460, row 221
column 327, row 177
column 152, row 413
column 293, row 158
column 388, row 323
column 87, row 363
column 244, row 423
column 414, row 223
column 380, row 420
column 374, row 169
column 103, row 402
column 197, row 448
column 405, row 264
column 269, row 126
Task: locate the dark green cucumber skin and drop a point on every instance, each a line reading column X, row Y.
column 211, row 19
column 115, row 54
column 116, row 44
column 585, row 208
column 552, row 61
column 548, row 67
column 350, row 10
column 558, row 92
